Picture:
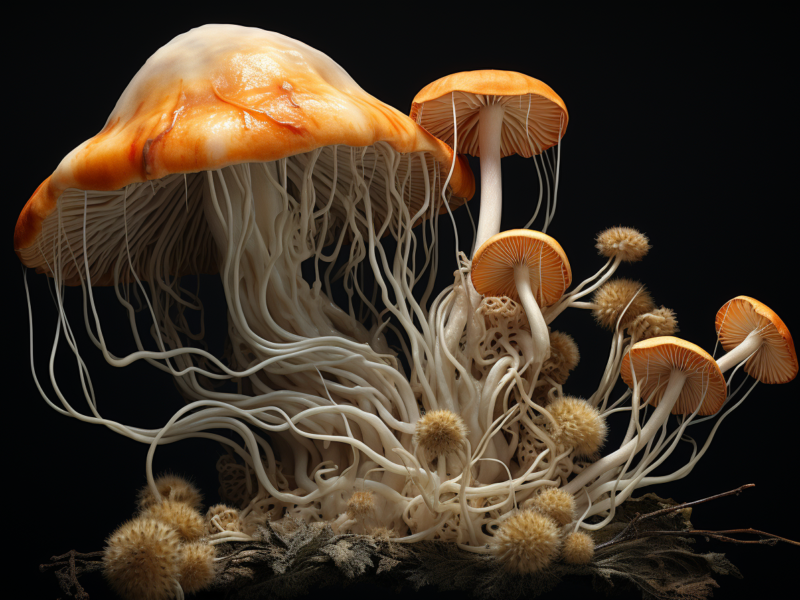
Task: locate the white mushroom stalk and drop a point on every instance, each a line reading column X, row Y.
column 627, row 482
column 654, row 423
column 620, row 483
column 539, row 330
column 742, row 352
column 676, row 376
column 493, row 114
column 490, row 132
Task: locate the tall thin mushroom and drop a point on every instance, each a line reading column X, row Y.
column 676, row 377
column 493, row 114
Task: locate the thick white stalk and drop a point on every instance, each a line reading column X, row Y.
column 654, row 423
column 539, row 331
column 490, row 128
column 742, row 352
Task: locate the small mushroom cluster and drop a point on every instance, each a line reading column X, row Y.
column 462, row 432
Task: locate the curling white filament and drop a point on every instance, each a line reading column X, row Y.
column 323, row 406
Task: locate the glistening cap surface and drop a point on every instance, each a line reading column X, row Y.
column 655, row 359
column 535, row 116
column 494, row 262
column 221, row 95
column 776, row 360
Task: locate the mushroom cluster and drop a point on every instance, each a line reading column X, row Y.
column 248, row 154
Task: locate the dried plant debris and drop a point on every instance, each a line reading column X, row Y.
column 659, row 566
column 291, row 558
column 294, row 558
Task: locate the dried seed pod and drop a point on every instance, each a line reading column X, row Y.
column 578, row 548
column 226, row 516
column 197, row 566
column 141, row 560
column 577, row 424
column 624, row 243
column 440, row 432
column 171, row 487
column 183, row 518
column 556, row 504
column 527, row 541
column 360, row 504
column 564, row 357
column 621, row 297
column 655, row 323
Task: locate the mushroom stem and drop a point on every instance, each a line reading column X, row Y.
column 654, row 423
column 742, row 352
column 586, row 305
column 490, row 129
column 539, row 331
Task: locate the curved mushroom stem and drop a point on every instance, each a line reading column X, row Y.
column 654, row 423
column 742, row 352
column 584, row 305
column 490, row 128
column 539, row 331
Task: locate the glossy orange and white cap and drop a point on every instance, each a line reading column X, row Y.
column 655, row 359
column 776, row 360
column 534, row 120
column 494, row 262
column 221, row 95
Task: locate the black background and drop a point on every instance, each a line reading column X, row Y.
column 679, row 126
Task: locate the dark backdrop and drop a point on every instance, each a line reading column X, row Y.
column 682, row 128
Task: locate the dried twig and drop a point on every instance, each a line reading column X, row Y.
column 68, row 571
column 771, row 538
column 632, row 532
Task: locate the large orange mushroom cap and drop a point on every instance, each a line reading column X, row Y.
column 493, row 265
column 655, row 359
column 529, row 104
column 776, row 360
column 221, row 95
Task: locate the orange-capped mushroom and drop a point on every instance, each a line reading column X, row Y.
column 528, row 104
column 527, row 265
column 750, row 331
column 243, row 152
column 216, row 96
column 674, row 375
column 495, row 262
column 659, row 359
column 492, row 114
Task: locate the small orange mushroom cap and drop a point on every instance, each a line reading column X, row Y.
column 776, row 360
column 655, row 359
column 493, row 265
column 527, row 102
column 221, row 95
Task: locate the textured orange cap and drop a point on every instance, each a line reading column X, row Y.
column 527, row 101
column 221, row 95
column 493, row 265
column 776, row 360
column 656, row 358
